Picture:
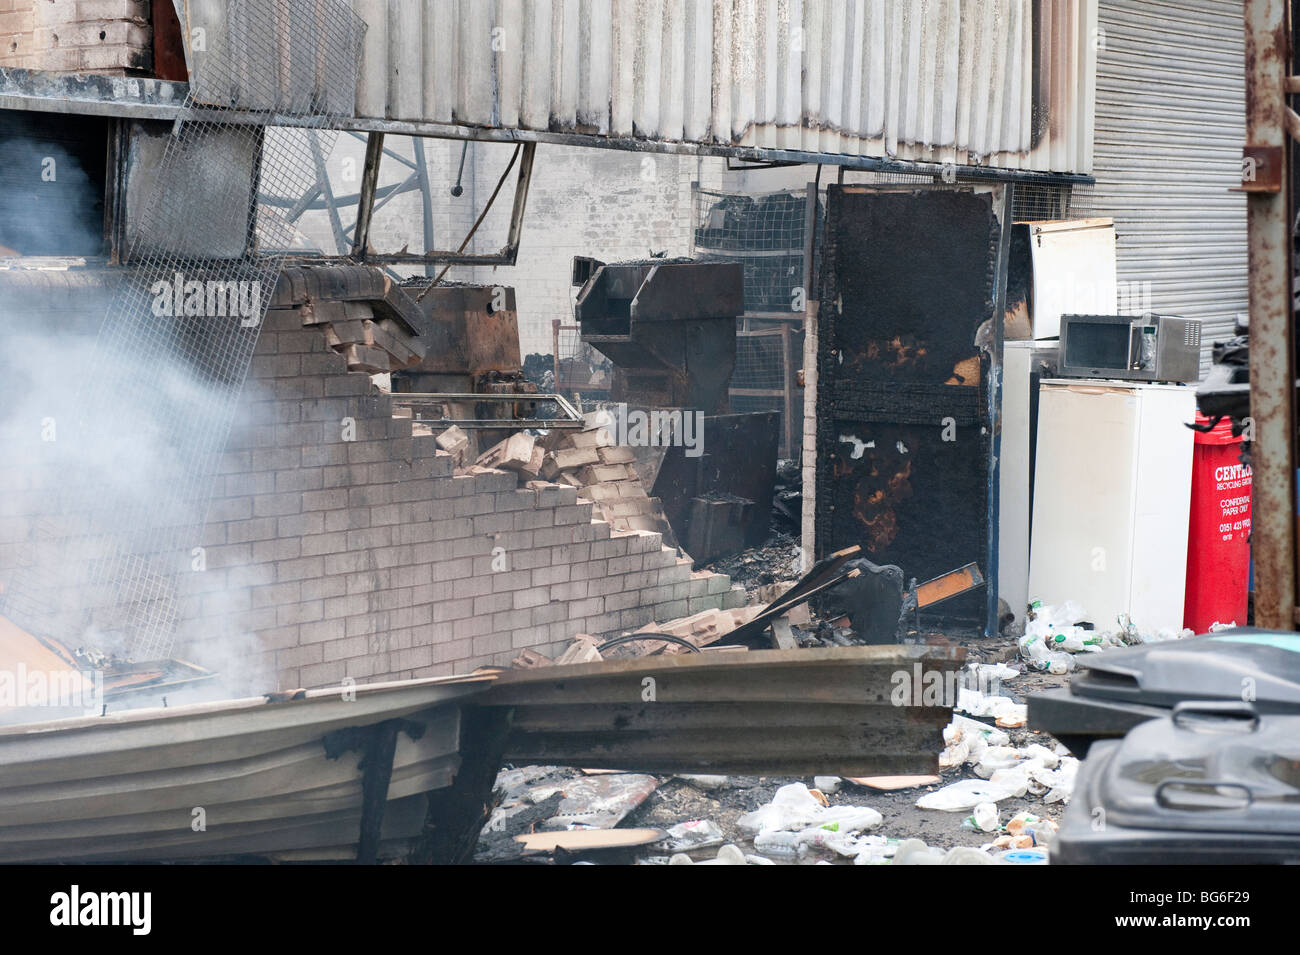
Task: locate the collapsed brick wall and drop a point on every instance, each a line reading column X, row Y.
column 370, row 559
column 106, row 36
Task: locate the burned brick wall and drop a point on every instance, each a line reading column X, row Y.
column 369, row 558
column 339, row 541
column 902, row 438
column 106, row 36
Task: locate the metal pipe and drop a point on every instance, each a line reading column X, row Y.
column 1272, row 345
column 426, row 196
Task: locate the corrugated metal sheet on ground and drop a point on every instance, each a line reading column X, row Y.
column 924, row 80
column 1170, row 127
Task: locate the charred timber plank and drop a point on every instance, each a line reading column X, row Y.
column 377, row 769
column 458, row 813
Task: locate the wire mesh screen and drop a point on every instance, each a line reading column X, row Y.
column 1035, row 201
column 579, row 368
column 760, row 362
column 155, row 400
column 766, row 233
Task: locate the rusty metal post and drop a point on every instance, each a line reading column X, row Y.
column 366, row 196
column 1272, row 346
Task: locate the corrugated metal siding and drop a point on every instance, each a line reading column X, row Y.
column 925, row 80
column 1169, row 130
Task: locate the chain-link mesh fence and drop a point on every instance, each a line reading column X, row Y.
column 155, row 400
column 767, row 233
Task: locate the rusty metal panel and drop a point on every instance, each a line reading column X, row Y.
column 777, row 712
column 475, row 330
column 902, row 443
column 1272, row 327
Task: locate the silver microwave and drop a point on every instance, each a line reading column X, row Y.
column 1134, row 347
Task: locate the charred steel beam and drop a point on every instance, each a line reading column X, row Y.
column 458, row 813
column 1272, row 341
column 366, row 196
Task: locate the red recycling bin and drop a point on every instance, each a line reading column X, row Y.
column 1218, row 535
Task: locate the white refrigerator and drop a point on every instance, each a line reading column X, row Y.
column 1112, row 488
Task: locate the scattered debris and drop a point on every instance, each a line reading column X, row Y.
column 456, row 443
column 889, row 783
column 577, row 840
column 916, row 852
column 696, row 834
column 604, row 474
column 1054, row 634
column 727, row 855
column 796, row 822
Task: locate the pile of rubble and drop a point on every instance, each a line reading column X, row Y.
column 588, row 459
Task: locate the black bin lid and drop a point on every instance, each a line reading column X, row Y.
column 1244, row 663
column 1209, row 767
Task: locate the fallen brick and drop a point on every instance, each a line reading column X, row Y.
column 515, row 453
column 581, row 650
column 531, row 660
column 367, row 358
column 616, row 455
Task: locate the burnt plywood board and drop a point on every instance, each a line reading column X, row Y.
column 902, row 442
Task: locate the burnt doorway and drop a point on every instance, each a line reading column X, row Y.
column 904, row 435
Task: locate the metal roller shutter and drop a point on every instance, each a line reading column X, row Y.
column 1170, row 124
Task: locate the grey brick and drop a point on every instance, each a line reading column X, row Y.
column 492, row 643
column 346, row 520
column 510, row 620
column 271, row 595
column 299, row 569
column 298, row 525
column 290, row 614
column 532, row 597
column 315, row 544
column 280, row 548
column 453, row 609
column 320, row 587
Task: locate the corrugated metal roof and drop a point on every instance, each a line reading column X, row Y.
column 918, row 80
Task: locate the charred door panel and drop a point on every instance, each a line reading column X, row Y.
column 902, row 446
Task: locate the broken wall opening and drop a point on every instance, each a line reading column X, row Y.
column 53, row 176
